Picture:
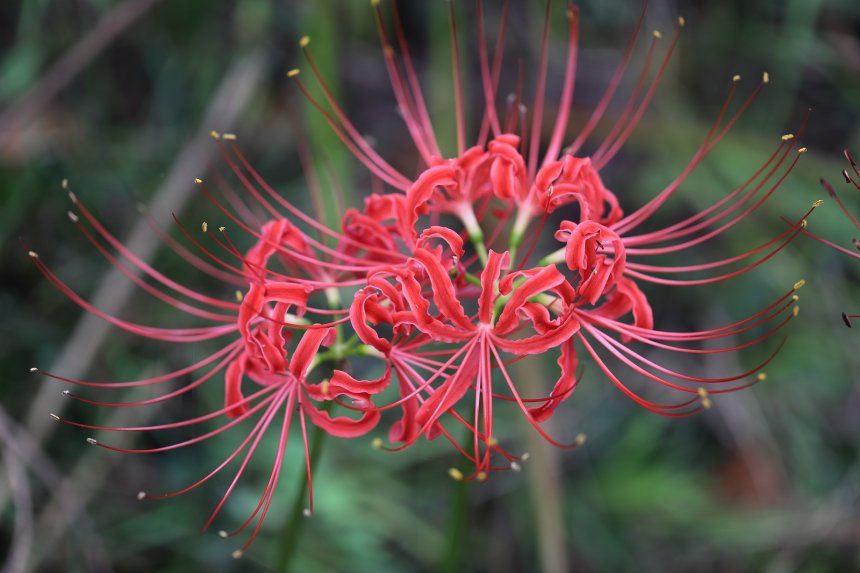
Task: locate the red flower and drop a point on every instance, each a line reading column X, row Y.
column 500, row 192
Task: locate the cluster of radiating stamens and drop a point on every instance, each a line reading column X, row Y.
column 481, row 259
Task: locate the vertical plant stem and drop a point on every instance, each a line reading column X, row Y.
column 457, row 528
column 295, row 523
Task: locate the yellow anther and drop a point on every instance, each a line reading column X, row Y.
column 581, row 439
column 455, row 474
column 795, row 311
column 799, row 284
column 324, row 387
column 802, row 150
column 736, row 78
column 222, row 229
column 804, row 224
column 198, row 180
column 65, row 183
column 293, row 73
column 374, row 3
column 795, row 298
column 765, row 77
column 229, row 136
column 762, row 376
column 706, row 400
column 376, row 443
column 205, row 226
column 215, row 135
column 817, row 203
column 788, row 136
column 303, row 43
column 239, row 296
column 681, row 21
column 657, row 34
column 482, row 476
column 492, row 442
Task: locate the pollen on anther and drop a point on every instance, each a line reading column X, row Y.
column 681, row 21
column 92, row 441
column 736, row 78
column 304, row 41
column 795, row 311
column 376, row 443
column 492, row 442
column 237, row 554
column 34, row 369
column 802, row 150
column 762, row 376
column 324, row 387
column 54, row 416
column 293, row 73
column 374, row 3
column 223, row 534
column 141, row 495
column 65, row 183
column 515, row 467
column 229, row 136
column 787, row 136
column 804, row 224
column 222, row 229
column 33, row 254
column 204, row 226
column 525, row 457
column 817, row 203
column 72, row 217
column 765, row 77
column 657, row 34
column 706, row 400
column 482, row 476
column 66, row 393
column 795, row 298
column 239, row 296
column 581, row 439
column 198, row 180
column 799, row 284
column 215, row 135
column 455, row 474
column 307, row 512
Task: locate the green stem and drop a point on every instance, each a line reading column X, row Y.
column 295, row 523
column 457, row 528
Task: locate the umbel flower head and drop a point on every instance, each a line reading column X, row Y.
column 508, row 247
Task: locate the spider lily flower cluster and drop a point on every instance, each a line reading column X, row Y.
column 509, row 248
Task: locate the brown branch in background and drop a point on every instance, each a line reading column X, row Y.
column 232, row 96
column 545, row 482
column 22, row 535
column 76, row 59
column 19, row 446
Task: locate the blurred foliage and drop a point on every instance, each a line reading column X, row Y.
column 766, row 481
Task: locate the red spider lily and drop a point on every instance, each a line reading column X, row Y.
column 502, row 189
column 443, row 295
column 853, row 179
column 263, row 322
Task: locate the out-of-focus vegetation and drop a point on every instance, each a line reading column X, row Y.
column 765, row 481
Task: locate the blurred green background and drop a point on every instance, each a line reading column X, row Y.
column 119, row 96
